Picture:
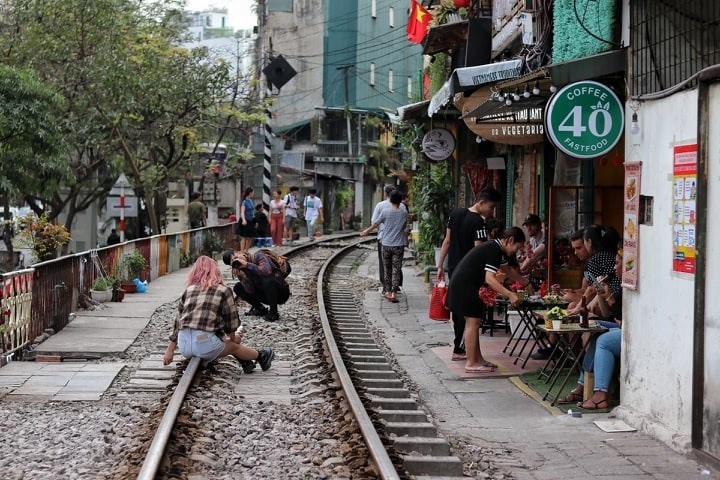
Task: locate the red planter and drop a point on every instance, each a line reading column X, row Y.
column 462, row 3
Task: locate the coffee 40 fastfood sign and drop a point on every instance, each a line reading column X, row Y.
column 585, row 119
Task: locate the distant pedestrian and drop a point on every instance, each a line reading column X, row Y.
column 394, row 220
column 207, row 320
column 382, row 205
column 262, row 225
column 196, row 212
column 113, row 238
column 277, row 218
column 246, row 223
column 291, row 206
column 313, row 213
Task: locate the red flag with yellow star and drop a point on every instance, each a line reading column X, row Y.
column 418, row 22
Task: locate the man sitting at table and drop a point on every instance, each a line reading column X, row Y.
column 604, row 351
column 572, row 296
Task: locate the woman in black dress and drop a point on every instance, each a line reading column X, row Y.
column 476, row 269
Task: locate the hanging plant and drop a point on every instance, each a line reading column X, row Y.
column 432, row 192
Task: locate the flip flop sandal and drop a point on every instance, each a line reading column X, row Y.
column 595, row 405
column 489, row 364
column 458, row 356
column 479, row 369
column 571, row 398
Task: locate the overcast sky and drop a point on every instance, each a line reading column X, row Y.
column 239, row 11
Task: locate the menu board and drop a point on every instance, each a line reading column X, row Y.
column 684, row 207
column 631, row 229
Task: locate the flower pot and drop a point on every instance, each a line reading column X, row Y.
column 101, row 296
column 129, row 287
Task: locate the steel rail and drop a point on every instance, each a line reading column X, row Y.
column 159, row 443
column 162, row 435
column 375, row 446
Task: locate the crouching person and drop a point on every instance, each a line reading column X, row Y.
column 207, row 310
column 260, row 282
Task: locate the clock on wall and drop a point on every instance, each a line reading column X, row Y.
column 438, row 144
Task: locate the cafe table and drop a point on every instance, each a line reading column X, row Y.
column 572, row 349
column 526, row 332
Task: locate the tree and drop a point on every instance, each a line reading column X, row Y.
column 30, row 144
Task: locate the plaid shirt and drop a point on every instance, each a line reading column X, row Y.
column 258, row 266
column 211, row 310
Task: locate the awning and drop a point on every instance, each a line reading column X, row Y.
column 587, row 68
column 469, row 78
column 285, row 128
column 412, row 111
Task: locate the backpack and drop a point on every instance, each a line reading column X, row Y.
column 280, row 262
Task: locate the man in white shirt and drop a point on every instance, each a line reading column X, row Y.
column 382, row 205
column 313, row 216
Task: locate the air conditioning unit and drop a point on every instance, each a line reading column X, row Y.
column 529, row 28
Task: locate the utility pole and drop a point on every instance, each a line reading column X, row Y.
column 345, row 69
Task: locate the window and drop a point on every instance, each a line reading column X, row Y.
column 391, row 12
column 372, row 74
column 409, row 87
column 373, row 8
column 390, row 81
column 280, row 5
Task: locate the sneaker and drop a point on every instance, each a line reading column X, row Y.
column 256, row 312
column 265, row 358
column 247, row 365
column 272, row 316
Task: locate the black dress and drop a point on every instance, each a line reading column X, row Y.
column 469, row 276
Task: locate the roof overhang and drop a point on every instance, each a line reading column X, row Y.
column 587, row 68
column 470, row 78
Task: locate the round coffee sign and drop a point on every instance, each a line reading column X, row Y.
column 585, row 119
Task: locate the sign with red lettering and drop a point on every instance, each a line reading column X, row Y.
column 684, row 207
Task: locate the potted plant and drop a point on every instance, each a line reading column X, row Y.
column 101, row 290
column 449, row 11
column 133, row 264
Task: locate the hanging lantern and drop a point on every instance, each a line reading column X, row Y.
column 462, row 3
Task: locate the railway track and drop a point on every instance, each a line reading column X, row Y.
column 398, row 437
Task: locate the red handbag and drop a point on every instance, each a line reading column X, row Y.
column 438, row 308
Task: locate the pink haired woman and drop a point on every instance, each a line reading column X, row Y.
column 207, row 309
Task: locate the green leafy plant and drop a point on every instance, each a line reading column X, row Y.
column 133, row 265
column 443, row 12
column 432, row 192
column 42, row 236
column 102, row 284
column 211, row 243
column 184, row 258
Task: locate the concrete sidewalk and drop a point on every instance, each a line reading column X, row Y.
column 494, row 412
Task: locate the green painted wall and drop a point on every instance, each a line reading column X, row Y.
column 354, row 36
column 571, row 40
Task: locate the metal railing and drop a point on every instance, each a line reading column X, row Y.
column 44, row 296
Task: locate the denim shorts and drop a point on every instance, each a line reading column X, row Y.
column 199, row 343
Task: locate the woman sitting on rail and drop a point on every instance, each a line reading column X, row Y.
column 207, row 309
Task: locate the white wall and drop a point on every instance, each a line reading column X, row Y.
column 656, row 374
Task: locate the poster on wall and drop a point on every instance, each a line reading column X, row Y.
column 684, row 209
column 631, row 231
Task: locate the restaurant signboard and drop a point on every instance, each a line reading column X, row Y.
column 585, row 119
column 684, row 207
column 631, row 230
column 521, row 127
